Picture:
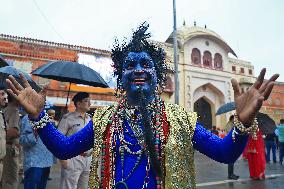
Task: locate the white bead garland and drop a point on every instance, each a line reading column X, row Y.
column 252, row 130
column 41, row 123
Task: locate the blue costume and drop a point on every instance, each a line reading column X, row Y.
column 222, row 150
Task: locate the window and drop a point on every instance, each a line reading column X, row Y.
column 242, row 70
column 218, row 62
column 250, row 71
column 195, row 56
column 234, row 68
column 207, row 59
column 169, row 85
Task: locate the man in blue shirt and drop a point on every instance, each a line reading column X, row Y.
column 280, row 132
column 37, row 158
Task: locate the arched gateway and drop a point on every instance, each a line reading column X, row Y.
column 207, row 98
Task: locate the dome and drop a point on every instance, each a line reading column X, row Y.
column 186, row 33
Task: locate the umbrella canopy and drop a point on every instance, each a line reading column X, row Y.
column 10, row 70
column 265, row 123
column 226, row 108
column 3, row 62
column 70, row 72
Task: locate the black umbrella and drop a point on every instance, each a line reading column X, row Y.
column 226, row 108
column 10, row 70
column 3, row 62
column 265, row 123
column 71, row 72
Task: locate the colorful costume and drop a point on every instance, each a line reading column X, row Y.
column 179, row 135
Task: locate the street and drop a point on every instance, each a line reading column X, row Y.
column 213, row 175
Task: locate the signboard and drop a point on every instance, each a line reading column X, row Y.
column 101, row 64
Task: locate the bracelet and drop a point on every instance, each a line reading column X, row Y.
column 252, row 130
column 40, row 123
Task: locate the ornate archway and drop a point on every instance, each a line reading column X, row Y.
column 203, row 109
column 207, row 98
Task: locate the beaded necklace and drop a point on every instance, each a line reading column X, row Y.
column 126, row 120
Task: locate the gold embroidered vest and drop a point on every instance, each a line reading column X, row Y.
column 179, row 154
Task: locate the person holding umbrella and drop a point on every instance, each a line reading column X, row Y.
column 143, row 142
column 228, row 128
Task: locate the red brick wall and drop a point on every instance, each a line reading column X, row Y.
column 274, row 106
column 39, row 53
column 36, row 51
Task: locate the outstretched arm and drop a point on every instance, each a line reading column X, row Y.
column 222, row 150
column 64, row 147
column 61, row 146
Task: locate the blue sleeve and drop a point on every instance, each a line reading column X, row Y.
column 64, row 147
column 27, row 136
column 222, row 150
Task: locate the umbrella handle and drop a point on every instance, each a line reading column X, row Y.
column 67, row 97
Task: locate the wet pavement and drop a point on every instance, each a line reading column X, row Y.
column 213, row 175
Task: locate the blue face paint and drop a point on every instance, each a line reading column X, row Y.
column 139, row 74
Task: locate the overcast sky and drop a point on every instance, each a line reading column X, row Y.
column 253, row 28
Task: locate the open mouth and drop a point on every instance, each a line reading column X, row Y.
column 139, row 81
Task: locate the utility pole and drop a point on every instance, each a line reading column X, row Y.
column 175, row 55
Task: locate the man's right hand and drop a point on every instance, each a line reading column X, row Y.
column 28, row 98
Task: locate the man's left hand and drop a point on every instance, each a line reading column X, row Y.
column 248, row 103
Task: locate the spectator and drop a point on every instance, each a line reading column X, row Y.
column 256, row 157
column 228, row 128
column 75, row 171
column 280, row 131
column 51, row 113
column 270, row 144
column 11, row 160
column 214, row 130
column 37, row 158
column 222, row 134
column 3, row 127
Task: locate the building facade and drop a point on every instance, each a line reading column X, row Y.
column 28, row 54
column 206, row 66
